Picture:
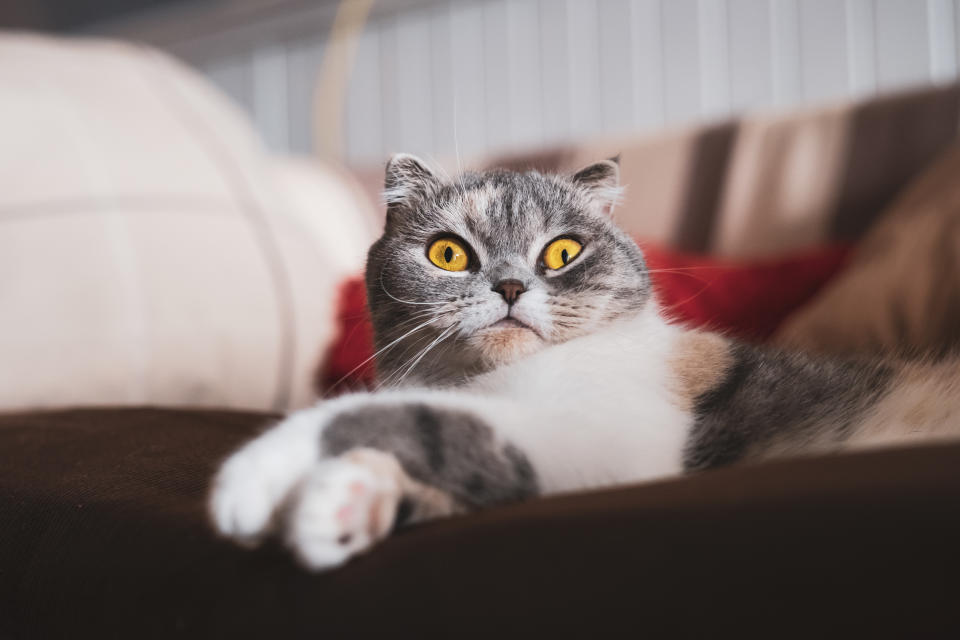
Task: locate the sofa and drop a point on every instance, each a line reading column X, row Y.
column 169, row 289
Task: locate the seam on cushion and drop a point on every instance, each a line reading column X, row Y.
column 212, row 146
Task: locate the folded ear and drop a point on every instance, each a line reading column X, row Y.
column 407, row 182
column 602, row 182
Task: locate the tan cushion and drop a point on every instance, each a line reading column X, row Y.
column 150, row 251
column 901, row 293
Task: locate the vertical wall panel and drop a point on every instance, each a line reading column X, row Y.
column 903, row 54
column 681, row 60
column 390, row 87
column 714, row 58
column 943, row 40
column 583, row 60
column 750, row 49
column 956, row 28
column 785, row 51
column 615, row 66
column 415, row 91
column 444, row 140
column 496, row 66
column 270, row 110
column 485, row 76
column 467, row 54
column 823, row 49
column 525, row 89
column 303, row 66
column 554, row 78
column 364, row 120
column 647, row 63
column 861, row 46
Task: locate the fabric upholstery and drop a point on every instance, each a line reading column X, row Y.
column 103, row 533
column 150, row 250
column 901, row 294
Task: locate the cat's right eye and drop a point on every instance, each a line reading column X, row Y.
column 448, row 254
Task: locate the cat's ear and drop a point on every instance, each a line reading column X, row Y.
column 602, row 182
column 407, row 182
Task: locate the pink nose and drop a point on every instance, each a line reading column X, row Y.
column 509, row 289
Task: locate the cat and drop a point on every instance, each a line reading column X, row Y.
column 523, row 354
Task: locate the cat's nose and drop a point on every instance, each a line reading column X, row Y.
column 509, row 289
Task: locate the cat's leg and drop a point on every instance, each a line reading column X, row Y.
column 253, row 482
column 334, row 478
column 315, row 476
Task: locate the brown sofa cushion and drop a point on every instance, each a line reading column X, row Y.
column 900, row 295
column 103, row 533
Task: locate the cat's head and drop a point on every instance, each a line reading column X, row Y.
column 476, row 271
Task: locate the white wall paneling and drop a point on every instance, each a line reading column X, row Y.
column 444, row 140
column 785, row 52
column 583, row 66
column 823, row 51
column 303, row 63
column 525, row 87
column 750, row 53
column 270, row 85
column 364, row 120
column 903, row 44
column 679, row 40
column 615, row 111
column 646, row 60
column 469, row 76
column 714, row 67
column 554, row 78
column 861, row 21
column 943, row 40
column 413, row 97
column 439, row 77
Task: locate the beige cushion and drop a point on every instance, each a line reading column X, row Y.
column 150, row 251
column 901, row 294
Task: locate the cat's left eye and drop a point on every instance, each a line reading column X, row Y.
column 560, row 252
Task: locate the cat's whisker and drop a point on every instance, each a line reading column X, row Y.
column 393, row 297
column 416, row 343
column 443, row 335
column 377, row 353
column 691, row 298
column 421, row 315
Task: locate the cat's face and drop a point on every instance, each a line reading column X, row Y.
column 475, row 272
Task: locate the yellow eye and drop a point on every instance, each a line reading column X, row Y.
column 560, row 252
column 448, row 254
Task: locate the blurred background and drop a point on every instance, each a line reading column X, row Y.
column 487, row 76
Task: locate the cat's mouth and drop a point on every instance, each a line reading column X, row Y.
column 509, row 322
column 510, row 326
column 506, row 340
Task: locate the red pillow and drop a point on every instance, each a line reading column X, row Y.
column 748, row 300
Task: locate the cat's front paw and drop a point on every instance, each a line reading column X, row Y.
column 241, row 502
column 252, row 484
column 343, row 506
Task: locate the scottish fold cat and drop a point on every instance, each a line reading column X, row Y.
column 521, row 352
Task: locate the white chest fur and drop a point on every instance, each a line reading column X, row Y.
column 594, row 411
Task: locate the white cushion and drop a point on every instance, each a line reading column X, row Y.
column 150, row 251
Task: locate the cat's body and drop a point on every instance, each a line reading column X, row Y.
column 552, row 370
